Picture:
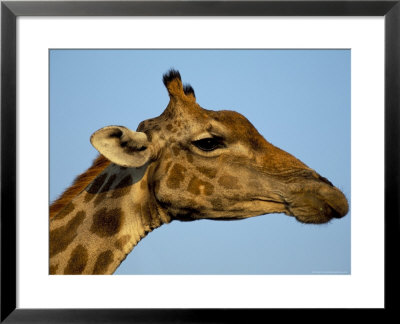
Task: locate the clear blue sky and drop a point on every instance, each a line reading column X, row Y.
column 299, row 100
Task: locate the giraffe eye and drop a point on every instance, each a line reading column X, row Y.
column 209, row 144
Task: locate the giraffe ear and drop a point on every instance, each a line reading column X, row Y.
column 122, row 146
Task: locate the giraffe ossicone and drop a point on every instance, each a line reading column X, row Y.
column 188, row 163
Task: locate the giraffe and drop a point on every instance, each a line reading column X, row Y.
column 189, row 163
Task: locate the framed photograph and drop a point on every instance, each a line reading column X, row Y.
column 251, row 99
column 319, row 85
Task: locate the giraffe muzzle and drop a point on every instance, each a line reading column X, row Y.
column 318, row 205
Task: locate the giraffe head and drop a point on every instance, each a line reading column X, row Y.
column 214, row 164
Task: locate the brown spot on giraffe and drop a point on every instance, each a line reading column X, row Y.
column 61, row 238
column 176, row 150
column 66, row 211
column 107, row 222
column 95, row 187
column 229, row 182
column 109, row 183
column 123, row 187
column 122, row 241
column 199, row 187
column 176, row 176
column 103, row 261
column 208, row 172
column 104, row 190
column 77, row 262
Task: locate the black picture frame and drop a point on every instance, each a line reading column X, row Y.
column 10, row 10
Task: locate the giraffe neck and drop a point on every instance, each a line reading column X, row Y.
column 101, row 225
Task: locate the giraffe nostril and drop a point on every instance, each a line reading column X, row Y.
column 331, row 212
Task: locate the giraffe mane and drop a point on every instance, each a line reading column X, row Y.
column 80, row 183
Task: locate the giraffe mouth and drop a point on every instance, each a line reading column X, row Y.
column 320, row 216
column 318, row 208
